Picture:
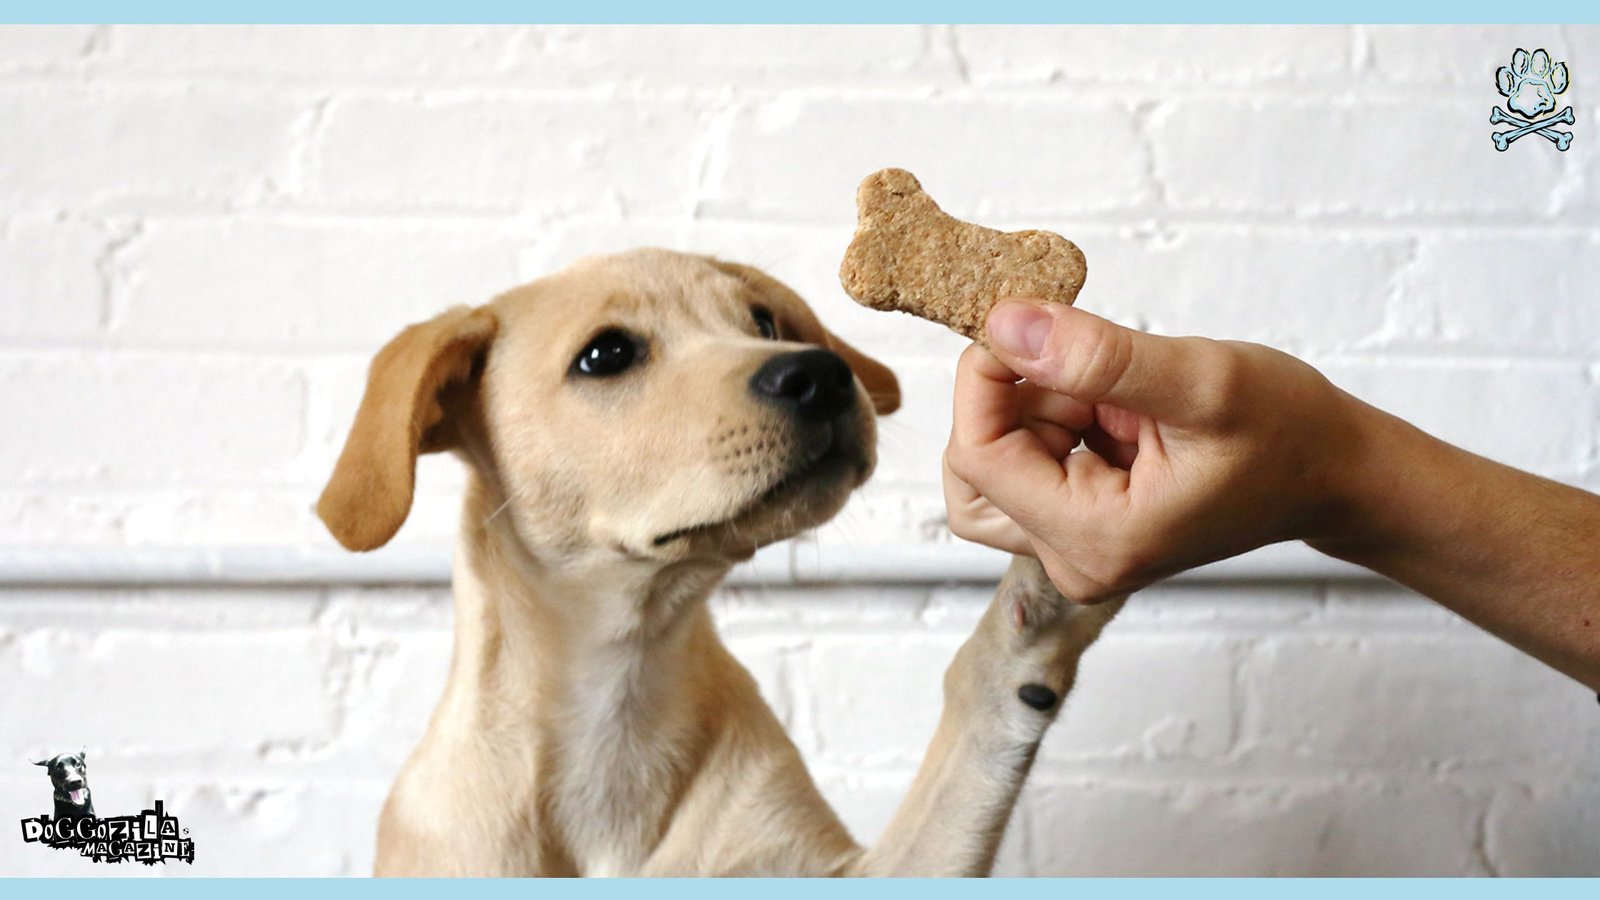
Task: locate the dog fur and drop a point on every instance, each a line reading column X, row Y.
column 592, row 722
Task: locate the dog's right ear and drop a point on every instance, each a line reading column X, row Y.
column 41, row 762
column 369, row 494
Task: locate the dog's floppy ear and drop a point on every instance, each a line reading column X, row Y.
column 369, row 494
column 41, row 762
column 881, row 385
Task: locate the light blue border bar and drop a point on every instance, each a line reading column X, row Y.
column 816, row 11
column 793, row 889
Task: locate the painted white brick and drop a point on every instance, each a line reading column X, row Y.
column 127, row 148
column 50, row 287
column 1470, row 54
column 1548, row 830
column 1165, row 54
column 155, row 692
column 851, row 58
column 1412, row 702
column 304, row 284
column 1535, row 416
column 1320, row 830
column 1502, row 293
column 877, row 700
column 1148, row 697
column 983, row 158
column 1328, row 156
column 40, row 46
column 314, row 54
column 148, row 420
column 328, row 825
column 1290, row 287
column 547, row 156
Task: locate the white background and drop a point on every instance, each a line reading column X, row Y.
column 205, row 233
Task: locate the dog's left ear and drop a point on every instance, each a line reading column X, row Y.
column 403, row 413
column 881, row 385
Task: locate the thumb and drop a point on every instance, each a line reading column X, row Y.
column 1092, row 360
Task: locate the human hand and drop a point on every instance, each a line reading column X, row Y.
column 1192, row 450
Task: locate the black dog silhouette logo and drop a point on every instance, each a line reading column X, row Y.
column 153, row 836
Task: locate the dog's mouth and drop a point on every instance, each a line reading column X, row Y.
column 831, row 459
column 77, row 796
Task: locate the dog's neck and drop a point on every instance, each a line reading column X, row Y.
column 600, row 676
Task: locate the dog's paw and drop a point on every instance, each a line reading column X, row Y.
column 1034, row 607
column 1530, row 84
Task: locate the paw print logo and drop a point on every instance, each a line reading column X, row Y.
column 1530, row 85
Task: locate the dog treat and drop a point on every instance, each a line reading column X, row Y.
column 911, row 256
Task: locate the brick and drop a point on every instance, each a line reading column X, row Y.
column 131, row 148
column 49, row 286
column 1545, row 830
column 546, row 156
column 155, row 692
column 802, row 157
column 316, row 53
column 1086, row 829
column 1289, row 287
column 325, row 827
column 43, row 46
column 1542, row 414
column 303, row 284
column 1329, row 156
column 1411, row 702
column 148, row 420
column 1151, row 697
column 1115, row 55
column 1524, row 293
column 877, row 700
column 1471, row 54
column 853, row 57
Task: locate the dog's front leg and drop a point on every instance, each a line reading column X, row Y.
column 1001, row 692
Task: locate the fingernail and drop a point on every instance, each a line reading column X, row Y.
column 1019, row 329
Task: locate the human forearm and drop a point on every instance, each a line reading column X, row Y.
column 1517, row 554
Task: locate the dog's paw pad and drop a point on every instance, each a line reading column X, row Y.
column 1038, row 697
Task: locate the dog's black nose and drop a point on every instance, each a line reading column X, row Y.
column 816, row 384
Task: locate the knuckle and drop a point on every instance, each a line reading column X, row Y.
column 1225, row 369
column 1093, row 359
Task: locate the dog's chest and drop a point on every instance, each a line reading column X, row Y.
column 620, row 764
column 613, row 796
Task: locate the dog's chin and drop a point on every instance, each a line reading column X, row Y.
column 805, row 498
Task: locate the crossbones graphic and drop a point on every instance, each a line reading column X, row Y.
column 1504, row 139
column 1530, row 85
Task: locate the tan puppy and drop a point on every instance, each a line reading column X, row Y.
column 634, row 425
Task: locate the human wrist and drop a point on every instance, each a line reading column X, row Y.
column 1382, row 490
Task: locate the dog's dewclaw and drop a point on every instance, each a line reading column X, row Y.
column 911, row 256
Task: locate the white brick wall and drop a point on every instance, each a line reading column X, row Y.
column 204, row 232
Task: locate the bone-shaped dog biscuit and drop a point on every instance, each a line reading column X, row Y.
column 909, row 255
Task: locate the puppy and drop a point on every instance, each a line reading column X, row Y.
column 69, row 780
column 633, row 426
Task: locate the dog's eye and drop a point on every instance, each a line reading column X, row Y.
column 610, row 353
column 765, row 323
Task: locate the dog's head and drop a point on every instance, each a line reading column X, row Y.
column 647, row 405
column 69, row 775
